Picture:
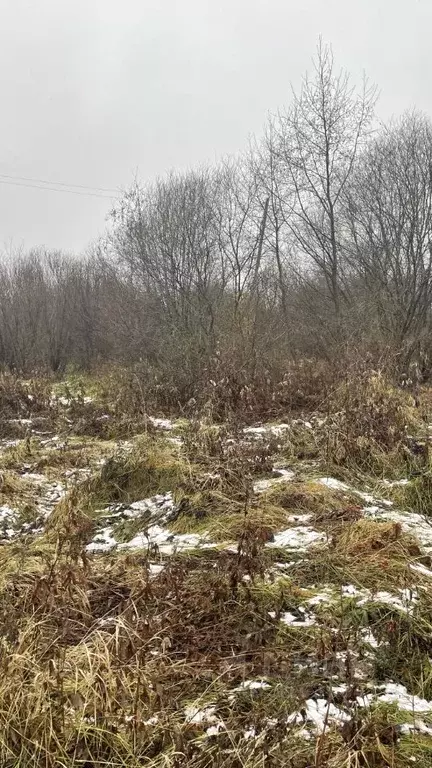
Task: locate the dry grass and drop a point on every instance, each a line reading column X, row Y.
column 369, row 554
column 328, row 508
column 102, row 654
column 149, row 467
column 365, row 427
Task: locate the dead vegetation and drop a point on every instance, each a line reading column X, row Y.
column 222, row 655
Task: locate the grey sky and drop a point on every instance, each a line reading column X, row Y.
column 93, row 91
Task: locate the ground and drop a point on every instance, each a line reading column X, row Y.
column 184, row 593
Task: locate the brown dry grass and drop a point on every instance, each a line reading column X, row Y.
column 101, row 654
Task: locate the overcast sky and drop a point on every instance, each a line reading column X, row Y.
column 94, row 91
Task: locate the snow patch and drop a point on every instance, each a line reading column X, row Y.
column 251, row 685
column 167, row 542
column 267, row 429
column 294, row 621
column 336, row 485
column 282, row 476
column 196, row 714
column 164, row 424
column 394, row 693
column 102, row 542
column 412, row 523
column 299, row 537
column 320, row 713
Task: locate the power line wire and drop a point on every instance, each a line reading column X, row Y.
column 58, row 183
column 54, row 189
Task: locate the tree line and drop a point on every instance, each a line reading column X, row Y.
column 315, row 243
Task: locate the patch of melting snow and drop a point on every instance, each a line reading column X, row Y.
column 155, row 536
column 254, row 430
column 299, row 518
column 369, row 638
column 349, row 590
column 175, row 441
column 165, row 424
column 330, row 595
column 156, row 568
column 151, row 721
column 418, row 727
column 9, row 444
column 47, row 496
column 158, row 507
column 213, row 730
column 282, row 476
column 394, row 693
column 294, row 621
column 66, row 401
column 60, row 399
column 369, row 499
column 411, row 522
column 7, row 512
column 251, row 685
column 393, row 483
column 373, row 511
column 168, row 542
column 102, row 542
column 273, row 429
column 78, row 473
column 34, row 477
column 325, row 597
column 200, row 714
column 299, row 537
column 421, row 569
column 320, row 713
column 405, row 603
column 336, row 485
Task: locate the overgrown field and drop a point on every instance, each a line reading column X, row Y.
column 198, row 593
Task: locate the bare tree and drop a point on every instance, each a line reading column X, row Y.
column 165, row 236
column 240, row 227
column 267, row 169
column 318, row 140
column 389, row 212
